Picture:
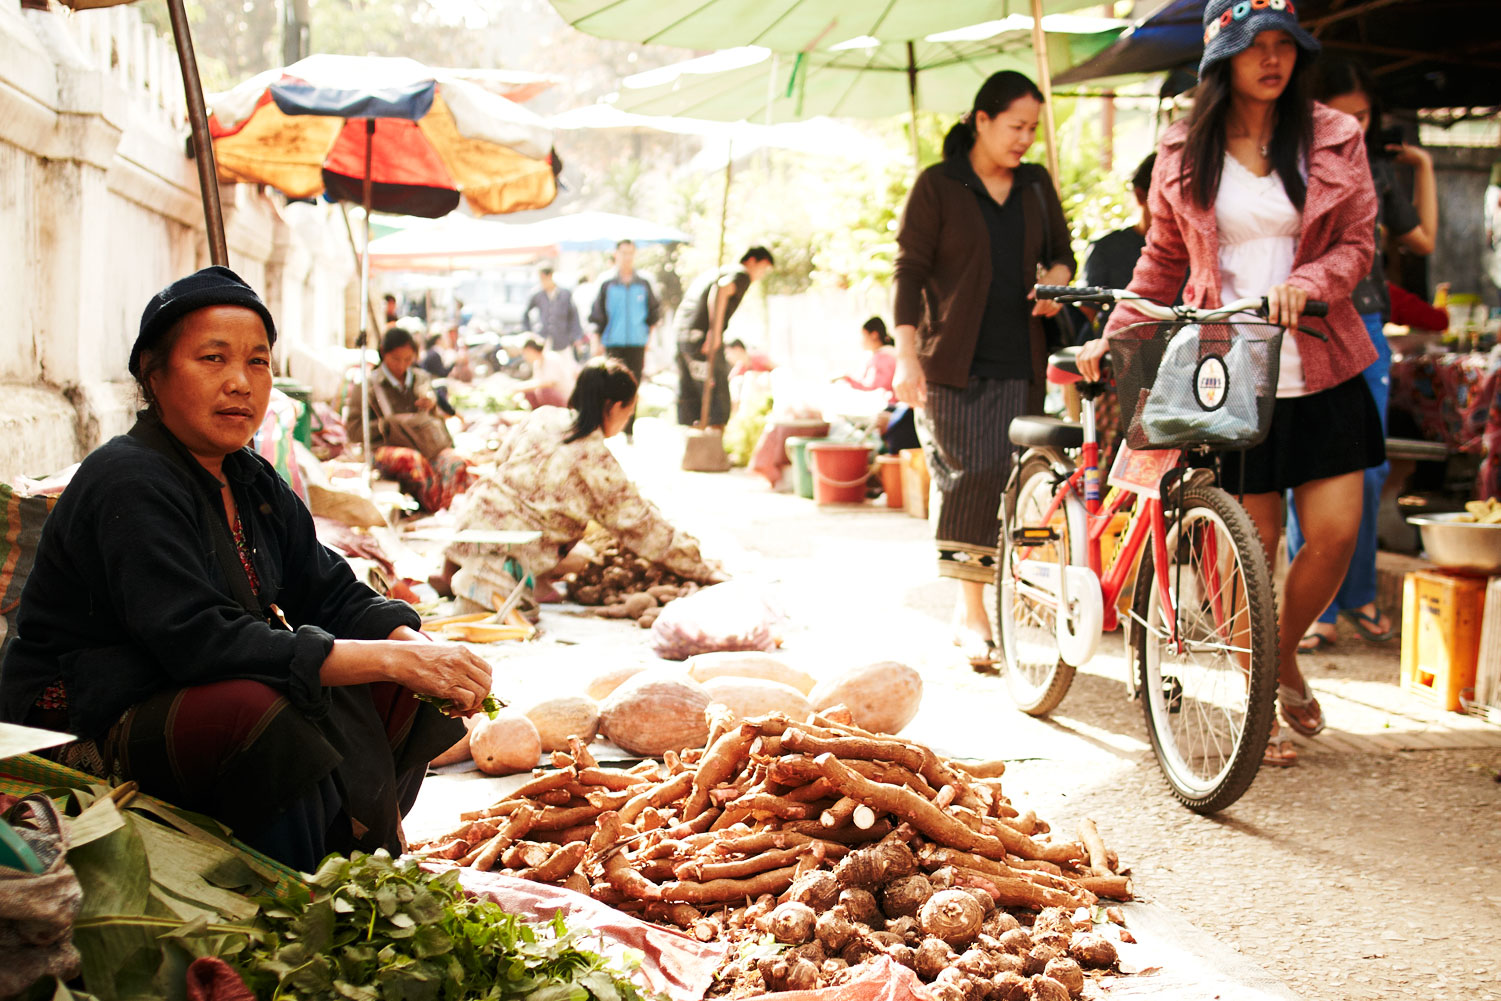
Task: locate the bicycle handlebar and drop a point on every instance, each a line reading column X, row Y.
column 1157, row 311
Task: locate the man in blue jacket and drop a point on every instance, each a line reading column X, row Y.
column 625, row 313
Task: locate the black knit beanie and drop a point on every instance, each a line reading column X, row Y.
column 213, row 286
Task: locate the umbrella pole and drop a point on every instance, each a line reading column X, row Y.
column 365, row 298
column 203, row 146
column 724, row 205
column 1045, row 83
column 912, row 101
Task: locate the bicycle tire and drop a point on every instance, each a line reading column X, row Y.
column 1196, row 688
column 1037, row 678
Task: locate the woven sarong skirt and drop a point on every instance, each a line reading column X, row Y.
column 969, row 457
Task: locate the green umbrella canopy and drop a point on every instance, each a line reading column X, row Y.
column 784, row 25
column 862, row 78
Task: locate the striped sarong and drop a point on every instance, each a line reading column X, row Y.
column 969, row 457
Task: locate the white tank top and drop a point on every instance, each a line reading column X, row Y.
column 1258, row 229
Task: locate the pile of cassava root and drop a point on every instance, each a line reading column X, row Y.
column 841, row 845
column 626, row 586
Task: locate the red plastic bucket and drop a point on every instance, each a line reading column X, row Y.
column 839, row 472
column 890, row 467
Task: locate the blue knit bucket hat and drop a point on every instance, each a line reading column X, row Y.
column 1231, row 25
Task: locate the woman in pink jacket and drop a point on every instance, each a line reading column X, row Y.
column 1264, row 192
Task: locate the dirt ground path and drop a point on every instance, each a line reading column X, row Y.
column 1371, row 870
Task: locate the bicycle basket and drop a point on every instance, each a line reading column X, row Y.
column 1197, row 384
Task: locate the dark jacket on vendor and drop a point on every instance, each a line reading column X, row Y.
column 941, row 284
column 128, row 597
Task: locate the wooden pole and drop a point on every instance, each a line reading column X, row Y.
column 1045, row 84
column 724, row 205
column 203, row 145
column 366, row 196
column 912, row 103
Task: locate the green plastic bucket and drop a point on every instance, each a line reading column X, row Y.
column 303, row 394
column 802, row 473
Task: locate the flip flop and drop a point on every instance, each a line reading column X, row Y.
column 1366, row 625
column 980, row 652
column 1280, row 752
column 1315, row 643
column 1294, row 702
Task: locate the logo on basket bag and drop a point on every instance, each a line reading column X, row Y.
column 1211, row 381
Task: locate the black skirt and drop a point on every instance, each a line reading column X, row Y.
column 1325, row 434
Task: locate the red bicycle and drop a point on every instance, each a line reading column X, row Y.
column 1201, row 623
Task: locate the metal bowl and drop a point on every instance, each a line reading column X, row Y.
column 1464, row 545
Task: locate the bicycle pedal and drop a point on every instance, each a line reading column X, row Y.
column 1172, row 693
column 1028, row 537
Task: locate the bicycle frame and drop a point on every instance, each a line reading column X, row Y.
column 1149, row 519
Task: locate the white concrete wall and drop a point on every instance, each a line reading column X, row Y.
column 99, row 208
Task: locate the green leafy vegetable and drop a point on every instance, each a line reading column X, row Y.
column 378, row 929
column 490, row 707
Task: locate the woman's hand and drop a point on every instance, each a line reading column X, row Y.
column 1284, row 305
column 1410, row 156
column 1058, row 274
column 444, row 671
column 1089, row 356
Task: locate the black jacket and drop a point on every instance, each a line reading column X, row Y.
column 942, row 269
column 128, row 596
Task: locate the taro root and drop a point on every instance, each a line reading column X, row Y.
column 907, row 928
column 811, row 951
column 759, row 908
column 1053, row 939
column 999, row 923
column 1017, row 940
column 834, row 929
column 977, row 963
column 1009, row 986
column 802, row 975
column 904, row 897
column 987, row 902
column 861, row 907
column 1095, row 951
column 903, row 954
column 858, row 951
column 833, row 967
column 947, row 991
column 952, row 915
column 1053, row 919
column 933, row 957
column 818, row 889
column 1006, row 962
column 876, row 866
column 973, row 989
column 1037, row 960
column 1066, row 972
column 1047, row 989
column 587, row 594
column 791, row 923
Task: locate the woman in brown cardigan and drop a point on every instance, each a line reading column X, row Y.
column 978, row 231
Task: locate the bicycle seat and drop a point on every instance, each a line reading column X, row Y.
column 1046, row 432
column 1063, row 370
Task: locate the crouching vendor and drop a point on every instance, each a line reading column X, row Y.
column 185, row 624
column 554, row 474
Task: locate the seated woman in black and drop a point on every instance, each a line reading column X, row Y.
column 184, row 623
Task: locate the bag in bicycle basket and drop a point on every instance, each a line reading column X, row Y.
column 1198, row 384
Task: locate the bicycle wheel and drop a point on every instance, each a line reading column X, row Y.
column 1036, row 676
column 1208, row 704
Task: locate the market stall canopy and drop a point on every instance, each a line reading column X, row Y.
column 428, row 138
column 1423, row 53
column 784, row 25
column 861, row 78
column 813, row 137
column 461, row 242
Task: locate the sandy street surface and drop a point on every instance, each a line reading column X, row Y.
column 1371, row 870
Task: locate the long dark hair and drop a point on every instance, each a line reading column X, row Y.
column 601, row 382
column 995, row 95
column 1336, row 76
column 1292, row 133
